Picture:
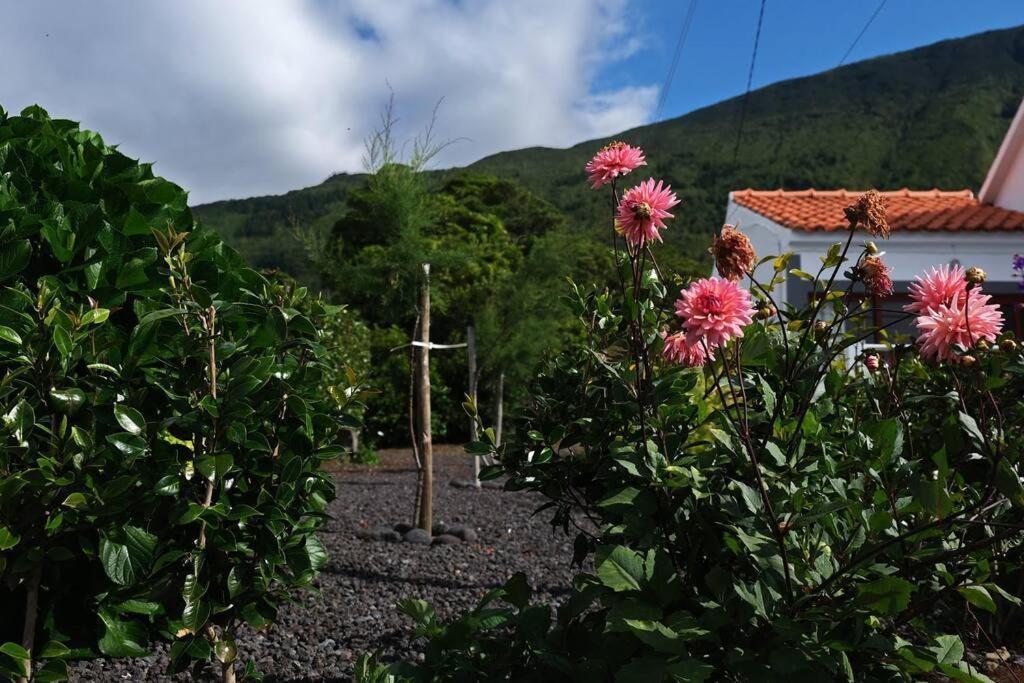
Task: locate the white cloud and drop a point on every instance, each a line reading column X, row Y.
column 243, row 97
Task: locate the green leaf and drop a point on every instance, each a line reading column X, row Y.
column 122, row 638
column 195, row 615
column 9, row 335
column 129, row 444
column 948, row 649
column 116, row 562
column 7, row 539
column 619, row 568
column 95, row 316
column 75, row 500
column 62, row 340
column 128, row 561
column 67, row 401
column 979, row 597
column 130, row 419
column 834, row 256
column 970, row 425
column 54, row 650
column 1009, row 484
column 888, row 595
column 14, row 650
column 21, row 419
column 155, row 316
column 14, row 256
column 932, row 496
column 53, row 670
column 781, row 262
column 418, row 610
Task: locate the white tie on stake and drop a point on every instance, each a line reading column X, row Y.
column 433, row 346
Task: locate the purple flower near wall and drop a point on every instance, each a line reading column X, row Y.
column 1018, row 269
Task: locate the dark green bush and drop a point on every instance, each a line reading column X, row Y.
column 163, row 418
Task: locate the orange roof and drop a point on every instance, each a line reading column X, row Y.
column 929, row 210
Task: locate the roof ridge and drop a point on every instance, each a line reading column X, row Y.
column 844, row 192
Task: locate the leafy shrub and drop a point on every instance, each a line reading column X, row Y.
column 756, row 506
column 163, row 420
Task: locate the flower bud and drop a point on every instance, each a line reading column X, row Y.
column 968, row 360
column 821, row 328
column 1008, row 345
column 872, row 362
column 975, row 275
column 871, row 248
column 764, row 312
column 982, row 344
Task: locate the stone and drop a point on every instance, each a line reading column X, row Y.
column 493, row 484
column 446, row 539
column 440, row 528
column 417, row 536
column 402, row 527
column 463, row 484
column 462, row 532
column 391, row 536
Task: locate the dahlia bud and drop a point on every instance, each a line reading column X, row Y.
column 1008, row 345
column 871, row 248
column 821, row 328
column 982, row 344
column 968, row 360
column 764, row 312
column 975, row 275
column 872, row 362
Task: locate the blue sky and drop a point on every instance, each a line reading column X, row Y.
column 236, row 98
column 798, row 38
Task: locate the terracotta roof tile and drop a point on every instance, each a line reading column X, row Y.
column 907, row 209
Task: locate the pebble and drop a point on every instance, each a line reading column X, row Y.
column 353, row 610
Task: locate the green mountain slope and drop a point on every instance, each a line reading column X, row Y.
column 929, row 117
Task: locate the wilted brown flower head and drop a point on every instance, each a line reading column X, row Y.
column 734, row 254
column 975, row 275
column 869, row 212
column 877, row 276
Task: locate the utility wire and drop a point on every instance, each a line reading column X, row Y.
column 750, row 80
column 684, row 31
column 862, row 32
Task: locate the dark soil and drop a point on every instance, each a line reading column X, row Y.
column 352, row 609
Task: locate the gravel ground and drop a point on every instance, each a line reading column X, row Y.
column 352, row 609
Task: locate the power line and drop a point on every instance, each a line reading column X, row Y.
column 750, row 81
column 862, row 32
column 684, row 31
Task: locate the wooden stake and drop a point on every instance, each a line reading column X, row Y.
column 499, row 412
column 426, row 447
column 28, row 635
column 473, row 434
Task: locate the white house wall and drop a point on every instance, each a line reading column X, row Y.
column 907, row 253
column 911, row 253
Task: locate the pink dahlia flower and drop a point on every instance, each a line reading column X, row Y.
column 643, row 210
column 714, row 311
column 677, row 350
column 935, row 289
column 958, row 325
column 613, row 160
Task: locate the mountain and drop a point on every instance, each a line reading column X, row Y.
column 929, row 117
